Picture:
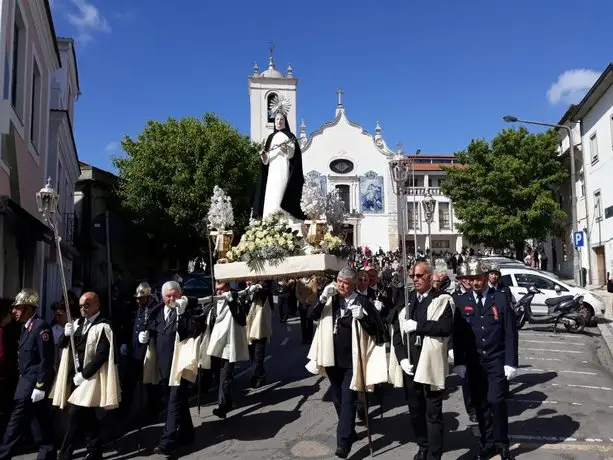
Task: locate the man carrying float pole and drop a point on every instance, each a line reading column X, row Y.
column 348, row 346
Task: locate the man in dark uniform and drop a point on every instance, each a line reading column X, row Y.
column 485, row 350
column 134, row 372
column 166, row 321
column 346, row 305
column 462, row 287
column 36, row 357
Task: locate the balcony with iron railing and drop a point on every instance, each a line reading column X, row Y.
column 423, row 191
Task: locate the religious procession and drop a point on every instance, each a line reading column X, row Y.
column 383, row 324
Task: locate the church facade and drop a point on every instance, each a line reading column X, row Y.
column 341, row 154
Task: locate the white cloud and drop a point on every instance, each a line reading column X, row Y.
column 87, row 20
column 112, row 147
column 572, row 86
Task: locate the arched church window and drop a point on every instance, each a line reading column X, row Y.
column 269, row 99
column 343, row 191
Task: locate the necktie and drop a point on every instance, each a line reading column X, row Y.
column 480, row 299
column 172, row 314
column 420, row 298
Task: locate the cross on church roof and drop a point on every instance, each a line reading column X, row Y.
column 340, row 93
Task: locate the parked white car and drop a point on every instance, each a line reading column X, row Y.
column 520, row 279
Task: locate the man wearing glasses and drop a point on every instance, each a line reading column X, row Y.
column 420, row 336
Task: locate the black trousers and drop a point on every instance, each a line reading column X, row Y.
column 178, row 424
column 345, row 403
column 426, row 410
column 306, row 324
column 38, row 418
column 283, row 306
column 257, row 352
column 488, row 388
column 224, row 371
column 82, row 422
column 468, row 400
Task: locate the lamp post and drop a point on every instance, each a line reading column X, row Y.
column 399, row 172
column 47, row 200
column 573, row 192
column 429, row 205
column 415, row 214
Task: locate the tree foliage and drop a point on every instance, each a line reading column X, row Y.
column 504, row 192
column 166, row 180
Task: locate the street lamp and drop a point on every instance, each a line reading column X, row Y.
column 400, row 168
column 429, row 205
column 573, row 192
column 47, row 200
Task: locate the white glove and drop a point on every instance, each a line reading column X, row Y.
column 254, row 288
column 228, row 295
column 460, row 371
column 68, row 329
column 509, row 372
column 123, row 349
column 329, row 291
column 357, row 311
column 143, row 337
column 450, row 354
column 37, row 395
column 406, row 367
column 181, row 305
column 409, row 326
column 78, row 379
column 378, row 305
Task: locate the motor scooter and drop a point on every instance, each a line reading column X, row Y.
column 563, row 309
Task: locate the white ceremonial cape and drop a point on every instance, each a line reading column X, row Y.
column 433, row 365
column 259, row 320
column 228, row 340
column 102, row 389
column 184, row 363
column 321, row 353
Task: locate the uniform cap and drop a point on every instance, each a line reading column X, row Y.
column 26, row 297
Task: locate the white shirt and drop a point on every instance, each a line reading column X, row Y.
column 28, row 322
column 421, row 297
column 88, row 322
column 483, row 295
column 348, row 302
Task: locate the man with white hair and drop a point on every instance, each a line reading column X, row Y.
column 167, row 323
column 441, row 282
column 343, row 313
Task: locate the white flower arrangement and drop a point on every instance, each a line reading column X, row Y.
column 221, row 215
column 335, row 211
column 334, row 245
column 270, row 239
column 313, row 200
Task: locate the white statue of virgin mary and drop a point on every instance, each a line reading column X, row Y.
column 281, row 177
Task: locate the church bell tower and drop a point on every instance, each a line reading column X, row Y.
column 263, row 87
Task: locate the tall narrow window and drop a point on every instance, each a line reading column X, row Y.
column 594, row 148
column 18, row 64
column 597, row 205
column 444, row 219
column 35, row 112
column 412, row 215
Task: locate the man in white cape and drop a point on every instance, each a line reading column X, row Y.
column 171, row 362
column 95, row 385
column 348, row 324
column 419, row 360
column 223, row 343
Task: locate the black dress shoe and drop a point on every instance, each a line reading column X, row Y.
column 220, row 412
column 422, row 454
column 159, row 450
column 252, row 381
column 487, row 453
column 259, row 383
column 342, row 452
column 473, row 418
column 505, row 454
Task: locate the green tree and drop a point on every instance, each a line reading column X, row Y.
column 166, row 179
column 504, row 192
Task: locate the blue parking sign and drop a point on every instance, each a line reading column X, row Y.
column 578, row 239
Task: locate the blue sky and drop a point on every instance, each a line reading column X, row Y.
column 434, row 73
